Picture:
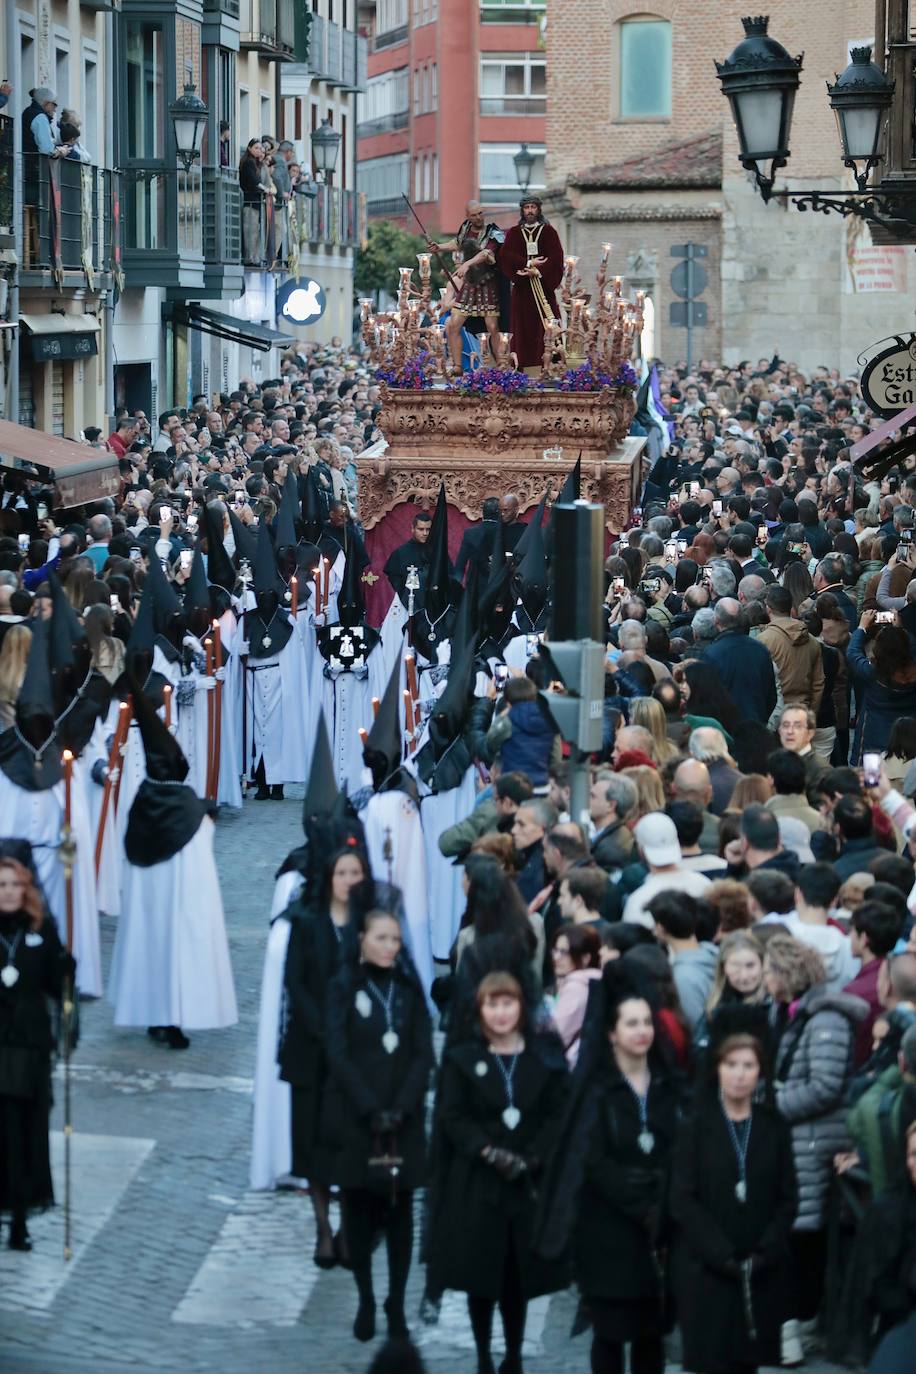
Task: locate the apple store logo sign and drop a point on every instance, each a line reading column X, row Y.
column 301, row 302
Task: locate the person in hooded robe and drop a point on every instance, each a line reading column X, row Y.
column 225, row 608
column 32, row 805
column 147, row 662
column 277, row 703
column 170, row 969
column 529, row 586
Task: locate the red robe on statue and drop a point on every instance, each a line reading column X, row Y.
column 525, row 323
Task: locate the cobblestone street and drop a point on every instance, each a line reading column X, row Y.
column 177, row 1265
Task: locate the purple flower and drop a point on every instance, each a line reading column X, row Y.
column 491, row 381
column 413, row 376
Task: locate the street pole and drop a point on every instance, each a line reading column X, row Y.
column 578, row 785
column 689, row 304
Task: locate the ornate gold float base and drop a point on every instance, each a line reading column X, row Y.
column 487, row 446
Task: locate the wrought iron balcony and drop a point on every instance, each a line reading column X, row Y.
column 71, row 217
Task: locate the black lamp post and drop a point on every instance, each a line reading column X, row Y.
column 189, row 116
column 760, row 80
column 524, row 166
column 325, row 147
column 860, row 99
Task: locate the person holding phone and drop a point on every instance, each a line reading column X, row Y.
column 885, row 682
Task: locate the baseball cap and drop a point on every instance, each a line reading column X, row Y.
column 657, row 838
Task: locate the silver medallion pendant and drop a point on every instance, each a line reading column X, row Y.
column 432, row 635
column 741, row 1190
column 287, row 596
column 9, row 975
column 390, row 1041
column 646, row 1142
column 266, row 641
column 511, row 1117
column 480, row 1069
column 363, row 1004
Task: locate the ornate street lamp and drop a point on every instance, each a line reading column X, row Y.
column 524, row 166
column 325, row 147
column 189, row 116
column 760, row 80
column 860, row 99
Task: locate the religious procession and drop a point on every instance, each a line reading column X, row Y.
column 458, row 786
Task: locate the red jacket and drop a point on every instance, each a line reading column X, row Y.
column 865, row 985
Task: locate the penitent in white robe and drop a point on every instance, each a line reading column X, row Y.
column 171, row 964
column 38, row 817
column 395, row 811
column 278, row 709
column 229, row 791
column 444, row 894
column 271, row 1138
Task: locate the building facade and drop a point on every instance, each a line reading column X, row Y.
column 660, row 169
column 127, row 280
column 454, row 88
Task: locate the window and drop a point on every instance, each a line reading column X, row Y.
column 417, row 179
column 62, row 72
column 244, row 118
column 645, row 69
column 498, row 180
column 434, row 86
column 416, row 90
column 427, row 176
column 267, row 124
column 501, row 11
column 384, row 104
column 390, row 14
column 146, row 102
column 435, row 194
column 90, row 137
column 384, row 180
column 515, row 83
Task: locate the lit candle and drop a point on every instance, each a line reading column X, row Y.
column 167, row 697
column 68, row 778
column 317, row 576
column 408, row 712
column 363, row 736
column 375, row 705
column 606, row 251
column 618, row 282
column 294, row 588
column 424, row 260
column 326, row 578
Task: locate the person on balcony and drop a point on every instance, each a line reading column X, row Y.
column 70, row 146
column 37, row 128
column 225, row 143
column 253, row 192
column 6, row 90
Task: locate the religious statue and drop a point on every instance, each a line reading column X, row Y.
column 476, row 278
column 532, row 259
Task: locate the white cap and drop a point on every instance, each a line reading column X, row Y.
column 657, row 838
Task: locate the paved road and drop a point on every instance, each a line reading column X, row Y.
column 177, row 1265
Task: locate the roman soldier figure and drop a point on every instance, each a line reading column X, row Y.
column 477, row 279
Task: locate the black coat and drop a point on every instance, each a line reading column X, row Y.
column 26, row 1044
column 366, row 1079
column 622, row 1193
column 745, row 669
column 474, row 1210
column 715, row 1229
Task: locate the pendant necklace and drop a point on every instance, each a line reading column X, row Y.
column 511, row 1115
column 740, row 1133
column 9, row 974
column 645, row 1140
column 391, row 1039
column 433, row 623
column 37, row 754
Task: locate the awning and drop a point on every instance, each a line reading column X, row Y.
column 243, row 332
column 79, row 472
column 58, row 338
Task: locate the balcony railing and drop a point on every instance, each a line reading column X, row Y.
column 6, row 174
column 389, row 38
column 385, row 124
column 511, row 11
column 69, row 221
column 276, row 233
column 386, row 207
column 229, row 7
column 513, row 104
column 275, row 31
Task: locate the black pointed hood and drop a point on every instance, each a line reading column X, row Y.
column 245, row 540
column 66, row 632
column 285, row 533
column 220, row 572
column 497, row 592
column 351, row 604
column 321, row 790
column 572, row 487
column 328, row 819
column 196, row 588
column 535, row 522
column 165, row 814
column 142, row 635
column 30, row 753
column 268, row 627
column 265, row 563
column 312, row 513
column 166, row 605
column 439, row 584
column 384, row 745
column 70, row 658
column 449, row 713
column 531, row 571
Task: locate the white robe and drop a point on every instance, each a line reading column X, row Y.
column 229, row 790
column 278, row 709
column 395, row 811
column 393, row 640
column 445, row 897
column 271, row 1133
column 108, row 879
column 170, row 965
column 38, row 817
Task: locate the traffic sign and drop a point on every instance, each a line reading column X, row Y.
column 689, row 279
column 689, row 250
column 687, row 314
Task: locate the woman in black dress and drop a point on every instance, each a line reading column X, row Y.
column 381, row 1055
column 605, row 1194
column 33, row 965
column 734, row 1197
column 501, row 1099
column 320, row 934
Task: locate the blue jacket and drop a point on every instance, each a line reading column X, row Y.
column 524, row 737
column 880, row 704
column 745, row 670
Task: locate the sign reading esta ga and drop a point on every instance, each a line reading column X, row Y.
column 300, row 302
column 889, row 380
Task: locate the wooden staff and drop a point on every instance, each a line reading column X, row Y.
column 68, row 858
column 211, row 704
column 410, row 664
column 218, row 693
column 326, row 580
column 409, row 721
column 294, row 603
column 123, row 752
column 114, row 767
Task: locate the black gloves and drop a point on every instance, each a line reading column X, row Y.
column 384, row 1122
column 507, row 1164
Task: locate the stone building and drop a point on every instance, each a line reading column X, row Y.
column 660, row 168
